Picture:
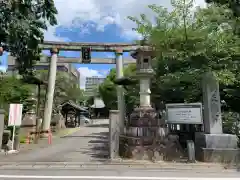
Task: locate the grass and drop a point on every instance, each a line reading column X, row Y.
column 64, row 132
column 22, row 139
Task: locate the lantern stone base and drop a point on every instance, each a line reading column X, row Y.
column 147, row 139
column 165, row 150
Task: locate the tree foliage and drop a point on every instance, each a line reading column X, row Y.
column 66, row 88
column 234, row 6
column 22, row 25
column 188, row 44
column 107, row 90
column 13, row 90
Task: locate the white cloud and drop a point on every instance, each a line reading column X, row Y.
column 3, row 68
column 87, row 72
column 74, row 14
column 50, row 35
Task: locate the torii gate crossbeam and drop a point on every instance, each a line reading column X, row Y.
column 97, row 47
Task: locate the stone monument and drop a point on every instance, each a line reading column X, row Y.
column 213, row 145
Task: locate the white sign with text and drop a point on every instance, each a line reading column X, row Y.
column 15, row 115
column 184, row 113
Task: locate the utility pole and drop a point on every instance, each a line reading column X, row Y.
column 50, row 90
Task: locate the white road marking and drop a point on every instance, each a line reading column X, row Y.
column 109, row 177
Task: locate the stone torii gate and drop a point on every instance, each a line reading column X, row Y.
column 55, row 47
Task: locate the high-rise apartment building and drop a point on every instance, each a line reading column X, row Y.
column 92, row 84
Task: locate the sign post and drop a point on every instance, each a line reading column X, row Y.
column 15, row 119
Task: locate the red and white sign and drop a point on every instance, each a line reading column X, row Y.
column 15, row 115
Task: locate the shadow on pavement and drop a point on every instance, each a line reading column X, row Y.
column 96, row 145
column 98, row 125
column 99, row 147
column 78, row 137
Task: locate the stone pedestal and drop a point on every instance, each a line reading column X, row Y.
column 114, row 133
column 217, row 147
column 57, row 122
column 28, row 124
column 146, row 139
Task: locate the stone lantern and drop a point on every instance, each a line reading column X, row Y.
column 142, row 127
column 144, row 73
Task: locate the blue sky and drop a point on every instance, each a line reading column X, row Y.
column 110, row 34
column 97, row 21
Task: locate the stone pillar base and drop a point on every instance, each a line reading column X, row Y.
column 28, row 124
column 217, row 155
column 217, row 148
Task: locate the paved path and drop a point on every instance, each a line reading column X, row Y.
column 87, row 144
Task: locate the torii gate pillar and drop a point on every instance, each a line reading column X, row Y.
column 120, row 90
column 50, row 90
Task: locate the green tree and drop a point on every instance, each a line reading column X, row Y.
column 187, row 45
column 13, row 90
column 108, row 91
column 234, row 6
column 22, row 25
column 66, row 88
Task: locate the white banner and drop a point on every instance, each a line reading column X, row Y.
column 15, row 115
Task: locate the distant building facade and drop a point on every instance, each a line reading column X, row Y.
column 92, row 84
column 64, row 67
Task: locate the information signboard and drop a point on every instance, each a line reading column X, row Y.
column 181, row 113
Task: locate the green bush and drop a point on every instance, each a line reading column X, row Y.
column 231, row 124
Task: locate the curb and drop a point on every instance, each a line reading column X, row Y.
column 160, row 166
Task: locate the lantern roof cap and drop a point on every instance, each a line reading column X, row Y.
column 146, row 50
